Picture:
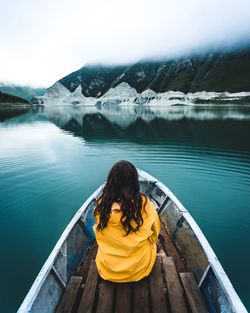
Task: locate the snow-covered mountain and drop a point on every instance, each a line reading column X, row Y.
column 218, row 76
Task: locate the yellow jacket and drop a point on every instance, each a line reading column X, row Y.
column 127, row 258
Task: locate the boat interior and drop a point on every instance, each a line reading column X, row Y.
column 168, row 288
column 186, row 277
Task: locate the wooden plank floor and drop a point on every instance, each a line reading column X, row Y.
column 169, row 288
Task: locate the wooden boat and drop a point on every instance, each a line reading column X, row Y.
column 187, row 276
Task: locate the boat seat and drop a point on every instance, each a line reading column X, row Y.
column 68, row 300
column 89, row 291
column 194, row 296
column 164, row 290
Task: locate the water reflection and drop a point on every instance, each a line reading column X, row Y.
column 219, row 126
column 124, row 116
column 226, row 127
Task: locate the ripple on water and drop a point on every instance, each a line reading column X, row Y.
column 44, row 178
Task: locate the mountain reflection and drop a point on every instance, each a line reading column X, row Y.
column 212, row 126
column 227, row 126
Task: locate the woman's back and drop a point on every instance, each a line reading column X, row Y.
column 124, row 258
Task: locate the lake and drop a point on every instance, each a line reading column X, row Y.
column 52, row 159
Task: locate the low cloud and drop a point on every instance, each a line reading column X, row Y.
column 41, row 41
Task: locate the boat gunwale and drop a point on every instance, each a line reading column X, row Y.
column 47, row 266
column 210, row 254
column 213, row 261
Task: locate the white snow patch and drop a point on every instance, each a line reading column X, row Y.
column 148, row 93
column 57, row 90
column 121, row 91
column 58, row 95
column 124, row 94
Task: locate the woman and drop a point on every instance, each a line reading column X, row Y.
column 127, row 227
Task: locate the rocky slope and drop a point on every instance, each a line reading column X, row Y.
column 214, row 74
column 212, row 71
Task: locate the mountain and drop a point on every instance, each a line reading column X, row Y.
column 8, row 111
column 6, row 98
column 24, row 92
column 215, row 70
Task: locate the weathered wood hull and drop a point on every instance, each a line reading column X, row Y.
column 77, row 238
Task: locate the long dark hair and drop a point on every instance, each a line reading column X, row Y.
column 122, row 186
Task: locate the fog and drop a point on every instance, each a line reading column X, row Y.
column 41, row 41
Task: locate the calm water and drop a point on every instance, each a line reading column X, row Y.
column 52, row 160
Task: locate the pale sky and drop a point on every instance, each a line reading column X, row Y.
column 44, row 40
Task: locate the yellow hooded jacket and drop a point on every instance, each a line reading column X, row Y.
column 128, row 258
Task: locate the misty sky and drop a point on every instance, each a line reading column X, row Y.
column 44, row 40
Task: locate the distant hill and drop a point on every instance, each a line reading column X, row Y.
column 24, row 92
column 214, row 70
column 6, row 98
